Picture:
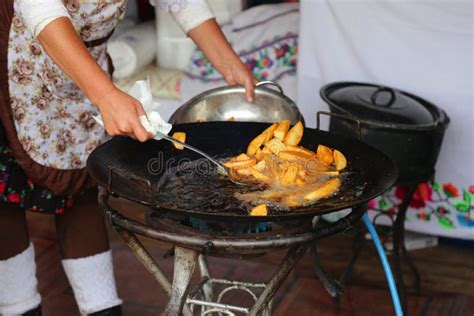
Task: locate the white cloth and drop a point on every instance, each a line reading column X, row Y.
column 18, row 283
column 133, row 49
column 187, row 13
column 92, row 281
column 424, row 47
column 39, row 13
column 152, row 121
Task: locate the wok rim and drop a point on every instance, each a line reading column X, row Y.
column 390, row 174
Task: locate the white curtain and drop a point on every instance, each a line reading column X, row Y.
column 421, row 46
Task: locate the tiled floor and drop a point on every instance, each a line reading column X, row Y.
column 447, row 278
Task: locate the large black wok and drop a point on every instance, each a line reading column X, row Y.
column 140, row 172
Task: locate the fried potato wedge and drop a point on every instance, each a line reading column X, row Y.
column 273, row 167
column 260, row 176
column 301, row 150
column 339, row 160
column 244, row 172
column 275, row 145
column 328, row 173
column 324, row 154
column 181, row 136
column 231, row 119
column 302, row 172
column 270, row 130
column 300, row 181
column 289, row 176
column 255, row 144
column 266, row 151
column 294, row 135
column 282, row 129
column 241, row 164
column 324, row 190
column 234, row 174
column 260, row 166
column 259, row 210
column 291, row 200
column 241, row 157
column 293, row 156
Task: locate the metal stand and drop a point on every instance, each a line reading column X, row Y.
column 190, row 248
column 399, row 250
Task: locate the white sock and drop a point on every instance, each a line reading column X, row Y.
column 18, row 283
column 92, row 281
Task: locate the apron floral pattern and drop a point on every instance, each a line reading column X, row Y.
column 53, row 118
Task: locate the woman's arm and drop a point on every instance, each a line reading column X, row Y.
column 119, row 111
column 197, row 20
column 210, row 39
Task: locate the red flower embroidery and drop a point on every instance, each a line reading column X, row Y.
column 69, row 202
column 471, row 189
column 60, row 211
column 14, row 198
column 450, row 190
column 3, row 187
column 422, row 194
column 372, row 204
column 30, row 182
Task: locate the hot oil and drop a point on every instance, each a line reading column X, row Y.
column 197, row 187
column 193, row 187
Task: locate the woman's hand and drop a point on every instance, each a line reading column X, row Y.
column 210, row 39
column 120, row 114
column 238, row 73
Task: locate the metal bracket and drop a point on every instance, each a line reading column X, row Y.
column 340, row 116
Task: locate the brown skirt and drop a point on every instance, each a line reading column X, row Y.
column 18, row 190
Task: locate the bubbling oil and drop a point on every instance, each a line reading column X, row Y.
column 196, row 189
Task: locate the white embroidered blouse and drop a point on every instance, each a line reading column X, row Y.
column 188, row 14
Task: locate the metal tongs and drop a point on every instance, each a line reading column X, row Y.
column 222, row 169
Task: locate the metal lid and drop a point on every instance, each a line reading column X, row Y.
column 230, row 102
column 381, row 105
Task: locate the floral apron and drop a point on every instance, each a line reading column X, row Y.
column 46, row 121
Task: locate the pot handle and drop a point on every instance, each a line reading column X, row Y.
column 373, row 98
column 272, row 83
column 340, row 116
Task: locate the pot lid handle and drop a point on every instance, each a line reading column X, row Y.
column 272, row 83
column 373, row 98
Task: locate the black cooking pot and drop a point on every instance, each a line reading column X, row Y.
column 407, row 128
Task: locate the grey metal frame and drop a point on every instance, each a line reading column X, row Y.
column 190, row 250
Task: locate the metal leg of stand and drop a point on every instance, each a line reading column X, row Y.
column 357, row 245
column 145, row 258
column 184, row 263
column 204, row 269
column 289, row 262
column 148, row 262
column 398, row 244
column 414, row 270
column 333, row 287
